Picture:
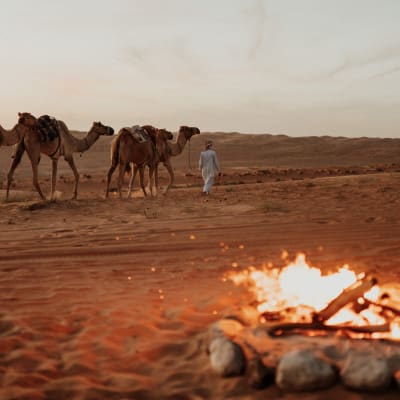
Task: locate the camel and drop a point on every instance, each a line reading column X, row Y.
column 64, row 144
column 184, row 135
column 13, row 136
column 172, row 149
column 126, row 149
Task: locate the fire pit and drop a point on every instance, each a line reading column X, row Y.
column 301, row 329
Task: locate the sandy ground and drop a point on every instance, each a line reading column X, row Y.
column 112, row 299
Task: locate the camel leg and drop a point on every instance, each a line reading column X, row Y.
column 109, row 175
column 71, row 163
column 156, row 178
column 141, row 175
column 34, row 156
column 132, row 179
column 151, row 173
column 168, row 165
column 54, row 165
column 17, row 157
column 122, row 169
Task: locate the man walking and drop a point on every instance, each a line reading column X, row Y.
column 208, row 163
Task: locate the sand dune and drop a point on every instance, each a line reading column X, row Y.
column 112, row 299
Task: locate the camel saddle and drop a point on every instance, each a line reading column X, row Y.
column 138, row 133
column 48, row 128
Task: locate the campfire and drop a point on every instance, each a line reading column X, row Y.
column 300, row 299
column 299, row 328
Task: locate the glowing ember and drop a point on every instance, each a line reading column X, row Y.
column 300, row 293
column 395, row 330
column 297, row 284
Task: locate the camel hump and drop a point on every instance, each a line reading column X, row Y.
column 48, row 128
column 138, row 133
column 151, row 132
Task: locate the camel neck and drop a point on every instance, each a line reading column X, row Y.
column 9, row 137
column 89, row 140
column 177, row 147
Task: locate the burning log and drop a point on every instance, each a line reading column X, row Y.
column 282, row 329
column 385, row 308
column 274, row 316
column 281, row 300
column 349, row 295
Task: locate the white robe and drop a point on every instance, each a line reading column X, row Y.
column 207, row 163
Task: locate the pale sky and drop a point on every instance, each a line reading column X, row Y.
column 295, row 67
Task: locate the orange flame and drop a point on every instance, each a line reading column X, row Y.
column 302, row 287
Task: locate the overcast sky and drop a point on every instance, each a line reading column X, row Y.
column 296, row 67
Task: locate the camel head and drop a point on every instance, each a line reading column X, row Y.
column 27, row 124
column 188, row 131
column 27, row 119
column 164, row 134
column 101, row 129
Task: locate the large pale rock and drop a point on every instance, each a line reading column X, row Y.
column 226, row 357
column 363, row 371
column 302, row 370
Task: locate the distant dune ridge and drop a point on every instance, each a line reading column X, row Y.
column 237, row 150
column 113, row 298
column 310, row 151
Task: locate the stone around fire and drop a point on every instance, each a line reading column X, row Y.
column 226, row 357
column 364, row 371
column 302, row 370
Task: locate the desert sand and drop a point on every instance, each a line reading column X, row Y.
column 112, row 299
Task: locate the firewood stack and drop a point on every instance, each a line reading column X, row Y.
column 308, row 362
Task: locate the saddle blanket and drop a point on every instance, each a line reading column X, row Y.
column 138, row 133
column 48, row 128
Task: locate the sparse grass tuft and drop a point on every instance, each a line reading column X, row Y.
column 17, row 196
column 39, row 205
column 274, row 207
column 150, row 214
